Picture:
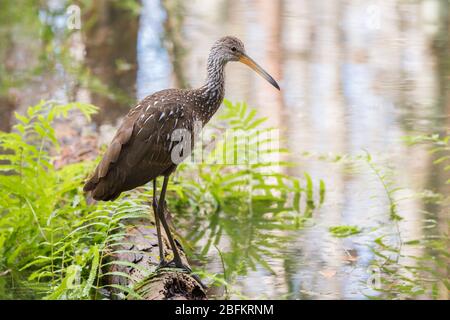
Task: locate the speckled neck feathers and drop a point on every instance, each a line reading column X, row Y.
column 213, row 91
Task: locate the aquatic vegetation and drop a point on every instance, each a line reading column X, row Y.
column 425, row 273
column 402, row 268
column 54, row 245
column 249, row 206
column 440, row 147
column 344, row 231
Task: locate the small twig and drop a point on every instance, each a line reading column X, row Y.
column 4, row 273
column 224, row 269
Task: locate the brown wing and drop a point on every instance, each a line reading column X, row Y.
column 140, row 150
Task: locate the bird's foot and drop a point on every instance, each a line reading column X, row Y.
column 180, row 265
column 173, row 264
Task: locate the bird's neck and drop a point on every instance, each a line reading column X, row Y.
column 213, row 91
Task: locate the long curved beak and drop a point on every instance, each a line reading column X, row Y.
column 245, row 59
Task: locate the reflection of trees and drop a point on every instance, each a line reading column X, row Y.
column 36, row 50
column 437, row 175
column 441, row 48
column 245, row 208
column 110, row 35
column 269, row 54
column 19, row 33
column 174, row 39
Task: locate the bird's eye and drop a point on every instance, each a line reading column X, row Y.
column 233, row 49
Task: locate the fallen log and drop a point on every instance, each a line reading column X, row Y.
column 140, row 252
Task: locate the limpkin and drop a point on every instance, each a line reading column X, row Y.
column 141, row 148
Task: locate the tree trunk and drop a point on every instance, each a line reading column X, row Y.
column 110, row 35
column 7, row 106
column 141, row 249
column 174, row 39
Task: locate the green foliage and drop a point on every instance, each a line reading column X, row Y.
column 19, row 21
column 440, row 148
column 412, row 276
column 134, row 6
column 251, row 206
column 385, row 178
column 344, row 231
column 413, row 269
column 52, row 244
column 37, row 30
column 406, row 276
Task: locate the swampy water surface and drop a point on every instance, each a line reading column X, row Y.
column 356, row 80
column 364, row 85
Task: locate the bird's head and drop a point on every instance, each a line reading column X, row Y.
column 230, row 48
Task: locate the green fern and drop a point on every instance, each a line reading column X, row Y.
column 51, row 242
column 54, row 245
column 251, row 205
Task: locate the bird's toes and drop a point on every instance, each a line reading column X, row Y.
column 173, row 264
column 165, row 264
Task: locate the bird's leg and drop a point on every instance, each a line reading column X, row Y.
column 176, row 256
column 158, row 226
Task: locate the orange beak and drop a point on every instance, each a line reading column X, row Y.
column 245, row 59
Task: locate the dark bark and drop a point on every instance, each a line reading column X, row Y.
column 7, row 107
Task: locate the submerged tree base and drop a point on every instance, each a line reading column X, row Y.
column 170, row 285
column 139, row 256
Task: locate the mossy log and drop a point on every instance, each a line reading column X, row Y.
column 140, row 252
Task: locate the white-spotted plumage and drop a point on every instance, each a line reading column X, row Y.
column 141, row 148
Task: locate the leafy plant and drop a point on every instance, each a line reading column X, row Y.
column 344, row 231
column 402, row 275
column 52, row 244
column 406, row 276
column 440, row 148
column 412, row 276
column 250, row 205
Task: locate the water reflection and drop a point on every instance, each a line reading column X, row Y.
column 156, row 74
column 354, row 76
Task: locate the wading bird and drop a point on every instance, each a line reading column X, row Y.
column 142, row 148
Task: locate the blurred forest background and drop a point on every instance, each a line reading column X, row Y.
column 365, row 100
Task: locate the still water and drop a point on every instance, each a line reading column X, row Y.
column 356, row 77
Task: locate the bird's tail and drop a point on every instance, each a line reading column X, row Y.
column 90, row 184
column 99, row 188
